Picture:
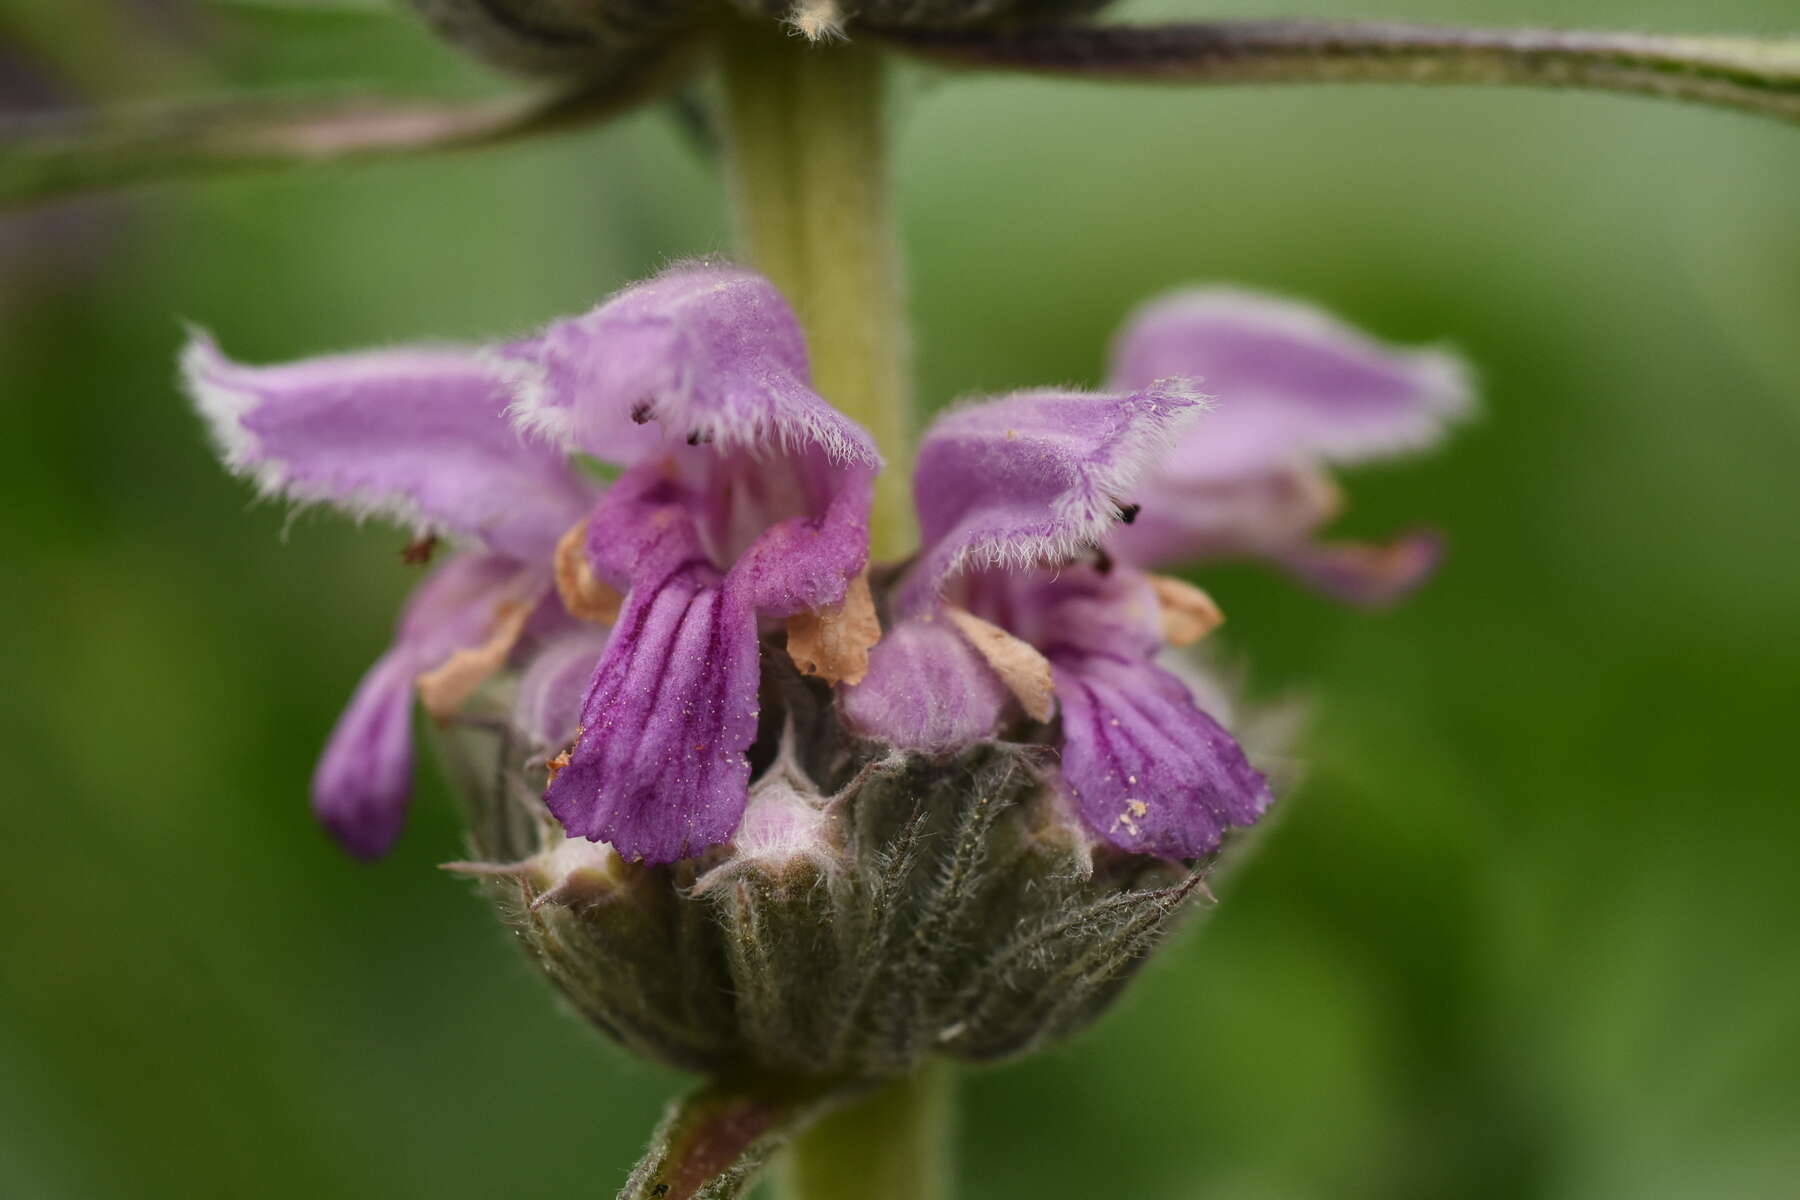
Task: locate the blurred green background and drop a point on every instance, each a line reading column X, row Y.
column 1527, row 929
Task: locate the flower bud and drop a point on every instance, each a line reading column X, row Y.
column 928, row 904
column 597, row 37
column 921, row 14
column 569, row 37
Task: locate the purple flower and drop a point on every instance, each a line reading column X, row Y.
column 749, row 499
column 1296, row 390
column 743, row 496
column 1033, row 536
column 1013, row 495
column 635, row 616
column 417, row 435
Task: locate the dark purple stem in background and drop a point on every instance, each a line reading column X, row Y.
column 1754, row 74
column 44, row 158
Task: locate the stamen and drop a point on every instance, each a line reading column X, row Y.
column 700, row 437
column 641, row 412
column 1129, row 512
column 1103, row 562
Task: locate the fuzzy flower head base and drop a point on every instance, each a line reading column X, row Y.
column 695, row 668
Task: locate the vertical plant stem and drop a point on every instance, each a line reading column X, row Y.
column 811, row 193
column 890, row 1145
column 811, row 196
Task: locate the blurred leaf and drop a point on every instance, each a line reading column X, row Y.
column 64, row 153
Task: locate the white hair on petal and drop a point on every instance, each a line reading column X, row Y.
column 223, row 408
column 530, row 409
column 1089, row 510
column 793, row 417
column 220, row 407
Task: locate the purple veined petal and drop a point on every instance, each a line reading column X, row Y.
column 1033, row 478
column 548, row 704
column 701, row 354
column 413, row 434
column 1291, row 383
column 1150, row 772
column 646, row 526
column 652, row 518
column 927, row 689
column 1147, row 770
column 1075, row 610
column 363, row 782
column 660, row 770
column 1368, row 574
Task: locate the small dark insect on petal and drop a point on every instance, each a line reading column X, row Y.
column 1129, row 512
column 418, row 552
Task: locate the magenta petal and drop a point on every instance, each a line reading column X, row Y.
column 1150, row 772
column 702, row 354
column 1290, row 382
column 417, row 435
column 1033, row 478
column 927, row 689
column 659, row 770
column 1366, row 573
column 1147, row 769
column 807, row 562
column 363, row 782
column 455, row 607
column 548, row 704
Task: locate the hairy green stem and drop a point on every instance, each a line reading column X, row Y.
column 890, row 1145
column 805, row 123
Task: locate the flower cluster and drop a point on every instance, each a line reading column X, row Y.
column 702, row 672
column 638, row 610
